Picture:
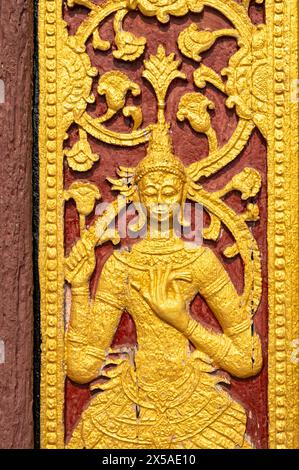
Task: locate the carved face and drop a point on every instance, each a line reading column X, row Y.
column 161, row 194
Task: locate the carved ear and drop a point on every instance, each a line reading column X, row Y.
column 181, row 216
column 140, row 223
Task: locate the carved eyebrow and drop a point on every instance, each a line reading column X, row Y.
column 168, row 187
column 150, row 187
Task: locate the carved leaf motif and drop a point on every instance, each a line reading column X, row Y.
column 84, row 194
column 80, row 156
column 99, row 43
column 247, row 86
column 75, row 80
column 248, row 182
column 192, row 41
column 163, row 8
column 205, row 74
column 115, row 85
column 129, row 47
column 135, row 113
column 161, row 70
column 194, row 107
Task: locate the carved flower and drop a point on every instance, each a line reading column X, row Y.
column 193, row 106
column 115, row 86
column 129, row 47
column 192, row 41
column 80, row 156
column 248, row 182
column 85, row 195
column 162, row 9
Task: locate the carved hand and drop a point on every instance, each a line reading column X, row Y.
column 80, row 264
column 164, row 296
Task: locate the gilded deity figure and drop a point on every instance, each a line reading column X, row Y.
column 166, row 392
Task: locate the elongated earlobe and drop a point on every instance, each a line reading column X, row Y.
column 141, row 221
column 181, row 216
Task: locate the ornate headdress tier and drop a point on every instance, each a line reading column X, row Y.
column 160, row 155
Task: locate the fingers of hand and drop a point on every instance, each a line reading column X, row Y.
column 175, row 287
column 144, row 294
column 160, row 292
column 180, row 276
column 135, row 286
column 164, row 283
column 83, row 249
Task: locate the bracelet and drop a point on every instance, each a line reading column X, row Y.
column 222, row 351
column 95, row 352
column 80, row 291
column 192, row 325
column 239, row 328
column 74, row 337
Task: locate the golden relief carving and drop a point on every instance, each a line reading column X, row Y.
column 159, row 394
column 151, row 389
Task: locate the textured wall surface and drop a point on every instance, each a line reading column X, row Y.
column 16, row 285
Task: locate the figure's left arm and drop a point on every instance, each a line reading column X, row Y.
column 238, row 349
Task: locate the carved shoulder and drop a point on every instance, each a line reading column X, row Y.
column 209, row 273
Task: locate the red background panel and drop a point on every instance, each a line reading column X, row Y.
column 189, row 146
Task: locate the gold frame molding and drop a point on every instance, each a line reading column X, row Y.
column 282, row 25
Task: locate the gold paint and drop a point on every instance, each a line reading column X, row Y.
column 85, row 195
column 129, row 47
column 192, row 41
column 283, row 210
column 80, row 156
column 159, row 277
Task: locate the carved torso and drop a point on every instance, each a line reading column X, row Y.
column 165, row 396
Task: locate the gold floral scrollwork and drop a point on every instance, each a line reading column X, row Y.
column 192, row 41
column 160, row 71
column 115, row 85
column 248, row 183
column 246, row 85
column 129, row 47
column 256, row 83
column 80, row 157
column 194, row 107
column 75, row 81
column 163, row 9
column 85, row 195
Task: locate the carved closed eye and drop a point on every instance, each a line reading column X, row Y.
column 168, row 191
column 150, row 191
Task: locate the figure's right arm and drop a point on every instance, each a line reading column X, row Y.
column 92, row 324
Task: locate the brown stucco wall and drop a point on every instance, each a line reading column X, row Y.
column 16, row 316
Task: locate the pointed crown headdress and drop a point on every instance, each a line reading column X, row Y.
column 160, row 155
column 160, row 71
